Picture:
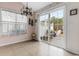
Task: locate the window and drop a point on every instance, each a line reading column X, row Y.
column 21, row 23
column 51, row 23
column 22, row 27
column 43, row 25
column 57, row 21
column 8, row 16
column 12, row 23
column 57, row 13
column 54, row 14
column 61, row 13
column 5, row 27
column 44, row 17
column 11, row 28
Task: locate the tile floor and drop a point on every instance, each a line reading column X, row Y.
column 32, row 48
column 58, row 41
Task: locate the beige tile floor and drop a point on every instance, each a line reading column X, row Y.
column 58, row 41
column 32, row 48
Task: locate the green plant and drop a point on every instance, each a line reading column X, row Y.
column 57, row 22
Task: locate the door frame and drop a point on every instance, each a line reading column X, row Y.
column 65, row 21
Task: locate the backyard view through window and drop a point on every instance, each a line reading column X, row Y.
column 56, row 23
column 52, row 28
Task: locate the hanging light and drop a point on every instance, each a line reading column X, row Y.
column 26, row 10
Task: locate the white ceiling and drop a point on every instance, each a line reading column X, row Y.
column 36, row 5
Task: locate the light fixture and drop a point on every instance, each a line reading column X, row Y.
column 26, row 10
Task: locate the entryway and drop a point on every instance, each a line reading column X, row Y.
column 52, row 27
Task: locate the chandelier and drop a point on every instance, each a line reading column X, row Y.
column 26, row 10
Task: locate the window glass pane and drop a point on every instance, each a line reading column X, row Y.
column 43, row 27
column 4, row 16
column 11, row 28
column 54, row 14
column 57, row 14
column 12, row 23
column 8, row 16
column 4, row 27
column 11, row 16
column 19, row 18
column 25, row 27
column 22, row 27
column 17, row 27
column 56, row 20
column 24, row 18
column 60, row 13
column 44, row 17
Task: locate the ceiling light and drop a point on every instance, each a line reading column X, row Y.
column 26, row 10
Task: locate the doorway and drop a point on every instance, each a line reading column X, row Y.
column 52, row 27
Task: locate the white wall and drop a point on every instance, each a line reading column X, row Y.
column 72, row 28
